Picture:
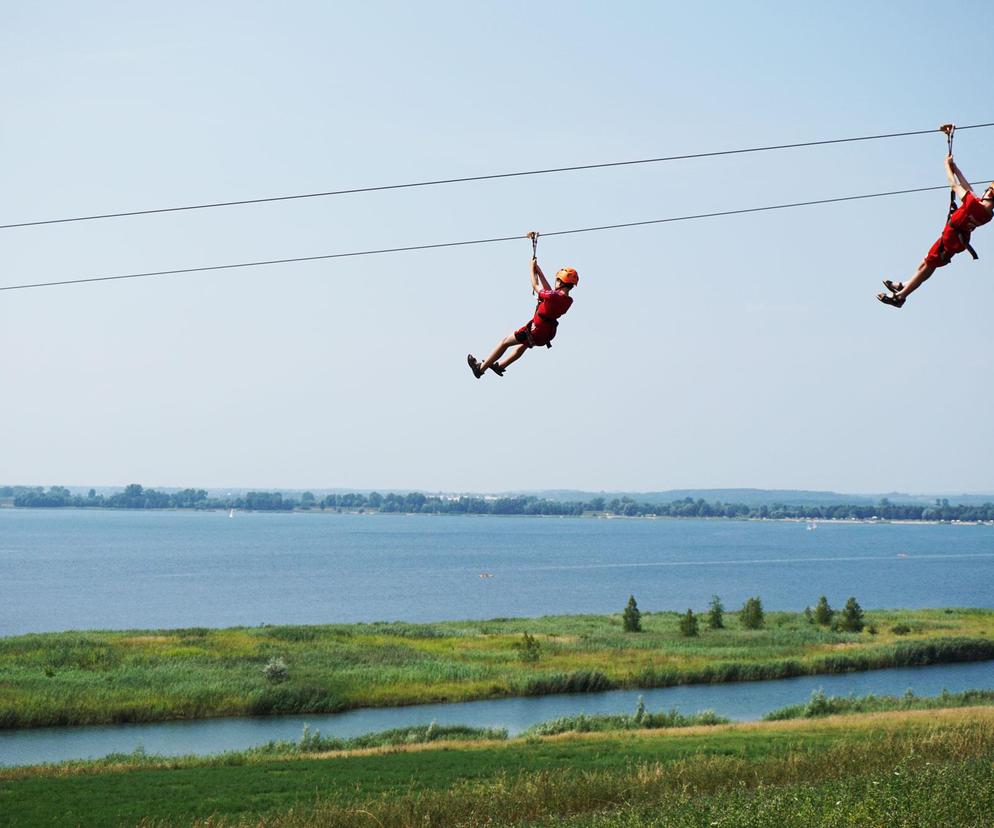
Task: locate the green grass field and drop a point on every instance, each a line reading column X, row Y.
column 833, row 771
column 141, row 675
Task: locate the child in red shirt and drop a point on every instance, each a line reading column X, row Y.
column 553, row 302
column 955, row 237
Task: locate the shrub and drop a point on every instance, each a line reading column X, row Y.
column 900, row 629
column 688, row 624
column 751, row 615
column 823, row 612
column 528, row 648
column 632, row 618
column 276, row 671
column 716, row 612
column 852, row 616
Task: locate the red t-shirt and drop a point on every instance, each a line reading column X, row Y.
column 552, row 305
column 969, row 215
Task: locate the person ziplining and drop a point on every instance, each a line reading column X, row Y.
column 553, row 302
column 960, row 223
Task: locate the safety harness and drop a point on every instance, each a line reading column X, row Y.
column 533, row 235
column 949, row 129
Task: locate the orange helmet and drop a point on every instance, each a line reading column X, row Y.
column 568, row 276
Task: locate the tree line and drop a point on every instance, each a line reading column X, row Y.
column 752, row 616
column 136, row 496
column 851, row 619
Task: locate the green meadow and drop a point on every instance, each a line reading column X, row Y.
column 152, row 675
column 924, row 768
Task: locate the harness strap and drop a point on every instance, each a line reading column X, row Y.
column 950, row 130
column 531, row 327
column 966, row 244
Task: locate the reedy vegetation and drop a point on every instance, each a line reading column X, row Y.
column 944, row 773
column 833, row 771
column 93, row 677
column 821, row 705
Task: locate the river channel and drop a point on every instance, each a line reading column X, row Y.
column 741, row 701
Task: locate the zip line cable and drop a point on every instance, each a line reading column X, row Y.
column 465, row 179
column 355, row 253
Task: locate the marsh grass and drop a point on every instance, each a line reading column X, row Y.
column 944, row 773
column 954, row 795
column 591, row 779
column 605, row 723
column 822, row 705
column 155, row 675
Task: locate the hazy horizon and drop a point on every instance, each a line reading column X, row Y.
column 76, row 487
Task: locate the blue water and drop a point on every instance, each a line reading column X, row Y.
column 65, row 569
column 740, row 701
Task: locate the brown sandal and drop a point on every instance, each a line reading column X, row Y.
column 474, row 366
column 893, row 287
column 894, row 301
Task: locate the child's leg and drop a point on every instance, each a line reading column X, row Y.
column 924, row 271
column 498, row 352
column 516, row 354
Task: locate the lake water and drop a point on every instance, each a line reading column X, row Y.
column 65, row 569
column 739, row 701
column 71, row 569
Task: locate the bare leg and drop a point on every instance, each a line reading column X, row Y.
column 516, row 354
column 923, row 272
column 498, row 352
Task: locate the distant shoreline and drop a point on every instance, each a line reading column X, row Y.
column 587, row 516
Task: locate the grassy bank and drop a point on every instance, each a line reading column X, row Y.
column 132, row 676
column 822, row 705
column 835, row 771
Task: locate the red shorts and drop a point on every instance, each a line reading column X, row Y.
column 531, row 334
column 945, row 247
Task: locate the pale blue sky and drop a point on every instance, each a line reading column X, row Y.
column 744, row 351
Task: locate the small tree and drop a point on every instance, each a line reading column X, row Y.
column 852, row 616
column 751, row 614
column 632, row 618
column 823, row 612
column 716, row 613
column 528, row 648
column 276, row 671
column 688, row 624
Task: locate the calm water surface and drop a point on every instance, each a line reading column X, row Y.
column 64, row 569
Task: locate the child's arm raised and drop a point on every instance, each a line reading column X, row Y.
column 538, row 276
column 956, row 179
